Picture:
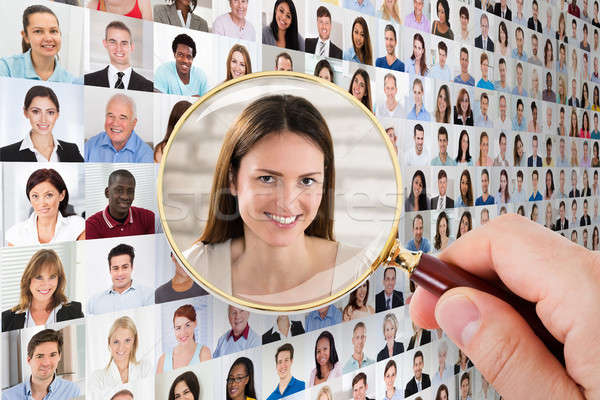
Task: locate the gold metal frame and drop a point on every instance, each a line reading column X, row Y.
column 383, row 255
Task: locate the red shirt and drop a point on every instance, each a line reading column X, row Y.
column 102, row 225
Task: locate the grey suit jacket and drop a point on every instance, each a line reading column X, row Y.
column 167, row 14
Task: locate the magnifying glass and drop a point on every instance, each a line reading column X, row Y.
column 281, row 192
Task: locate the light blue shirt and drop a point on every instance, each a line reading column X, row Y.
column 110, row 300
column 352, row 364
column 167, row 81
column 485, row 84
column 313, row 320
column 425, row 247
column 562, row 162
column 227, row 345
column 365, row 8
column 450, row 162
column 516, row 91
column 459, row 202
column 518, row 197
column 470, row 81
column 498, row 87
column 443, row 74
column 519, row 127
column 481, row 121
column 410, row 67
column 99, row 148
column 350, row 55
column 20, row 66
column 423, row 114
column 522, row 57
column 59, row 389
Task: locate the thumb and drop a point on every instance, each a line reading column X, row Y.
column 502, row 346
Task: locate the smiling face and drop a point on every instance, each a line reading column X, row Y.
column 485, row 183
column 443, row 227
column 390, row 377
column 42, row 115
column 120, row 270
column 43, row 285
column 279, row 187
column 325, row 74
column 120, row 194
column 182, row 391
column 45, row 200
column 442, row 102
column 323, row 351
column 520, row 112
column 43, row 34
column 417, row 186
column 389, row 331
column 119, row 46
column 441, row 13
column 284, row 364
column 239, row 8
column 417, row 50
column 464, row 62
column 418, row 229
column 184, row 56
column 519, row 39
column 236, row 381
column 361, row 294
column 418, row 367
column 359, row 337
column 283, row 16
column 503, row 183
column 119, row 122
column 184, row 329
column 359, row 87
column 324, row 27
column 44, row 361
column 358, row 35
column 359, row 390
column 238, row 64
column 464, row 388
column 390, row 42
column 390, row 89
column 238, row 319
column 418, row 94
column 121, row 345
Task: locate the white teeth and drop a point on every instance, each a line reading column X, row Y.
column 282, row 220
column 115, row 130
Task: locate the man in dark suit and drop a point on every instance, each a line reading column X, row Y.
column 420, row 381
column 562, row 222
column 483, row 41
column 283, row 327
column 388, row 298
column 533, row 22
column 322, row 46
column 534, row 160
column 442, row 201
column 118, row 74
column 574, row 191
column 502, row 10
column 421, row 337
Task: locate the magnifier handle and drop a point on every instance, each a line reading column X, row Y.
column 437, row 277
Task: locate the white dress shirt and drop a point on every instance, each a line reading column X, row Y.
column 113, row 77
column 24, row 233
column 27, row 144
column 325, row 44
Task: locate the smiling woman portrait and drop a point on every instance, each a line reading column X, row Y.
column 51, row 221
column 42, row 299
column 271, row 207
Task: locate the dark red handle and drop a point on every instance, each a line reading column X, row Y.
column 437, row 277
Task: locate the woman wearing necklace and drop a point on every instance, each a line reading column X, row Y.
column 42, row 300
column 42, row 109
column 180, row 13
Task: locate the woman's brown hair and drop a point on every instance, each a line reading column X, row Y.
column 241, row 49
column 42, row 259
column 268, row 115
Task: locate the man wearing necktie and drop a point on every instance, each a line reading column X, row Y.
column 322, row 46
column 389, row 297
column 118, row 74
column 483, row 41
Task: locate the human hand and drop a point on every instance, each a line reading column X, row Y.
column 562, row 278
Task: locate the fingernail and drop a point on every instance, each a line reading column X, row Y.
column 459, row 317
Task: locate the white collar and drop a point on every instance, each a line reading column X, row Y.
column 27, row 144
column 112, row 70
column 276, row 329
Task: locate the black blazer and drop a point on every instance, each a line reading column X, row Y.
column 574, row 193
column 66, row 152
column 479, row 43
column 457, row 121
column 310, row 45
column 136, row 81
column 573, row 101
column 397, row 300
column 489, row 7
column 270, row 336
column 383, row 354
column 538, row 161
column 411, row 386
column 558, row 226
column 498, row 12
column 532, row 25
column 457, row 367
column 585, row 220
column 434, row 202
column 425, row 338
column 12, row 320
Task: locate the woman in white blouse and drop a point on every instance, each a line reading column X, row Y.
column 123, row 366
column 50, row 221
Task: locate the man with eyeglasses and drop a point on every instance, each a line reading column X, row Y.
column 180, row 76
column 118, row 74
